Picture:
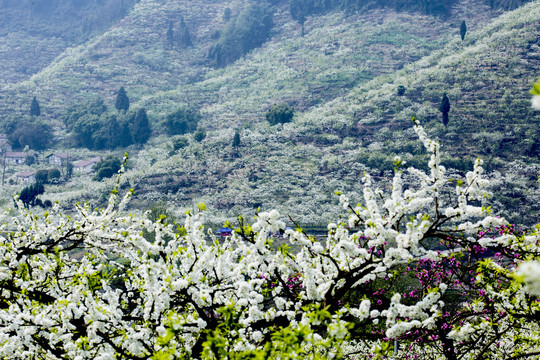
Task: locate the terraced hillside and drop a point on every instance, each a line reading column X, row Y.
column 34, row 33
column 329, row 146
column 342, row 79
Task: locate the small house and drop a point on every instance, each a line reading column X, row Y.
column 86, row 166
column 57, row 159
column 27, row 177
column 15, row 157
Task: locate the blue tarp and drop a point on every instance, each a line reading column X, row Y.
column 224, row 231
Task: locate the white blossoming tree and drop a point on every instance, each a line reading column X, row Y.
column 422, row 265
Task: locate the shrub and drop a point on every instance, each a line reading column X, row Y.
column 107, row 167
column 279, row 114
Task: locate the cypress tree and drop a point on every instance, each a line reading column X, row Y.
column 122, row 101
column 463, row 30
column 444, row 108
column 34, row 108
column 185, row 36
column 170, row 35
column 236, row 140
column 140, row 129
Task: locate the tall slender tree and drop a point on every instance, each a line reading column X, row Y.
column 170, row 35
column 140, row 129
column 236, row 140
column 35, row 110
column 184, row 36
column 463, row 30
column 444, row 108
column 122, row 100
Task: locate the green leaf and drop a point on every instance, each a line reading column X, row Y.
column 536, row 88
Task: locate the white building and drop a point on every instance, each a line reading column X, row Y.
column 27, row 176
column 86, row 166
column 57, row 159
column 15, row 157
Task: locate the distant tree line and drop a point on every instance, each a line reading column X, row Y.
column 249, row 30
column 27, row 130
column 179, row 37
column 70, row 19
column 301, row 9
column 94, row 126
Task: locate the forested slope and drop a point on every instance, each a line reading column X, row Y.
column 342, row 78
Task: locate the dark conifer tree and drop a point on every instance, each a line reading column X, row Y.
column 140, row 128
column 236, row 140
column 125, row 134
column 35, row 110
column 122, row 101
column 463, row 30
column 170, row 35
column 184, row 35
column 444, row 108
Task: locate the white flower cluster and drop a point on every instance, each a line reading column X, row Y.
column 536, row 102
column 103, row 284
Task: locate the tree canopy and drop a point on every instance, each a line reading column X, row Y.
column 93, row 126
column 35, row 110
column 107, row 167
column 28, row 131
column 279, row 114
column 444, row 108
column 122, row 100
column 247, row 31
column 140, row 129
column 182, row 121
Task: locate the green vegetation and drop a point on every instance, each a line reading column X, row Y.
column 444, row 108
column 244, row 33
column 29, row 195
column 140, row 128
column 236, row 140
column 279, row 114
column 122, row 100
column 199, row 135
column 463, row 30
column 107, row 167
column 184, row 37
column 34, row 108
column 93, row 126
column 179, row 143
column 354, row 79
column 182, row 121
column 25, row 131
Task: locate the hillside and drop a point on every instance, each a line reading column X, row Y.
column 297, row 167
column 33, row 32
column 341, row 77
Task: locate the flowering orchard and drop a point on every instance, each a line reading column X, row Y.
column 418, row 272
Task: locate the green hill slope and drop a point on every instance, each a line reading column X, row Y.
column 341, row 77
column 297, row 166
